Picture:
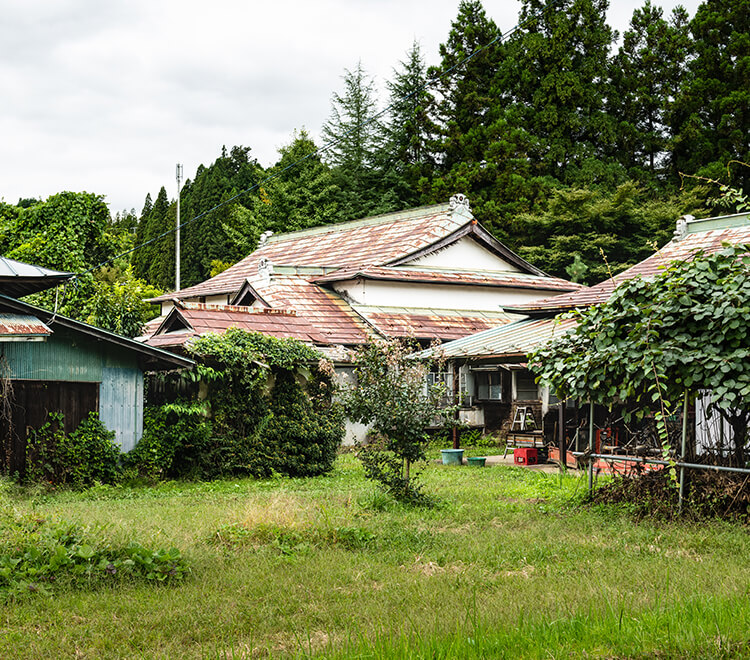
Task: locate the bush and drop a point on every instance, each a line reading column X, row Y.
column 86, row 456
column 176, row 442
column 267, row 407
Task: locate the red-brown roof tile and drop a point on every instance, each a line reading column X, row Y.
column 444, row 325
column 509, row 279
column 676, row 250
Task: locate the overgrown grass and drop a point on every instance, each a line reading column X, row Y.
column 508, row 565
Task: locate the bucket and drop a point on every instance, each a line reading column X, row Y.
column 477, row 461
column 452, row 456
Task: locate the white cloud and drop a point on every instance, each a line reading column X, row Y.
column 108, row 96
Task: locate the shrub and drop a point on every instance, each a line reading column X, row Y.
column 35, row 553
column 86, row 456
column 267, row 406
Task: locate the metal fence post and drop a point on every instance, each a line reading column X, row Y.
column 684, row 449
column 591, row 445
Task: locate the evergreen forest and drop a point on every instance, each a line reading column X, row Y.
column 577, row 147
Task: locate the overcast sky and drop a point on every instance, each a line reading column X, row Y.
column 107, row 96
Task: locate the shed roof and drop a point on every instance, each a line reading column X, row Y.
column 18, row 279
column 707, row 235
column 21, row 326
column 512, row 341
column 150, row 357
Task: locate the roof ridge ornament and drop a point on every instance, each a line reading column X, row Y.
column 265, row 270
column 681, row 230
column 459, row 202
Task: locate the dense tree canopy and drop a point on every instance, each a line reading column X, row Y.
column 568, row 143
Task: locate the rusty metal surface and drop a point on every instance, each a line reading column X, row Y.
column 373, row 240
column 444, row 325
column 301, row 324
column 512, row 340
column 508, row 279
column 22, row 325
column 676, row 250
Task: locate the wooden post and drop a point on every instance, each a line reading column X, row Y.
column 591, row 445
column 683, row 448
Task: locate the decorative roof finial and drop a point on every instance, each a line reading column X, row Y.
column 264, row 238
column 265, row 270
column 681, row 230
column 459, row 200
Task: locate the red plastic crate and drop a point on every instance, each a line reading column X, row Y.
column 525, row 456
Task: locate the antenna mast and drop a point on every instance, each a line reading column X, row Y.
column 177, row 235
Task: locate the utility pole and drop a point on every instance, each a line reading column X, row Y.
column 177, row 235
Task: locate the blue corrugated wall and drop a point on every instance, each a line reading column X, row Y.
column 67, row 356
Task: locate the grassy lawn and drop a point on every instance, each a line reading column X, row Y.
column 509, row 565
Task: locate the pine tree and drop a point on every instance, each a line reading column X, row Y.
column 646, row 74
column 405, row 156
column 467, row 88
column 712, row 113
column 353, row 133
column 560, row 76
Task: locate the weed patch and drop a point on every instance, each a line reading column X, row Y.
column 36, row 554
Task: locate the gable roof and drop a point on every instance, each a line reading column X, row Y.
column 707, row 235
column 383, row 240
column 195, row 319
column 18, row 279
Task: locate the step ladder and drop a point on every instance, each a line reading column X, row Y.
column 523, row 420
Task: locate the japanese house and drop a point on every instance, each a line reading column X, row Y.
column 431, row 273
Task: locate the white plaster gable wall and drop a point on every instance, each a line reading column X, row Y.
column 436, row 296
column 464, row 254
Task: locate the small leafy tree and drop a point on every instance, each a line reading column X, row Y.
column 653, row 340
column 392, row 396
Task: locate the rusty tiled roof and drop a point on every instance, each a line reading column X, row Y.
column 201, row 318
column 509, row 279
column 376, row 240
column 22, row 325
column 707, row 235
column 441, row 324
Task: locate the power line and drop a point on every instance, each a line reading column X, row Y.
column 328, row 145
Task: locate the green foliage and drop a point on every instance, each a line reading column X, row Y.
column 711, row 118
column 176, row 442
column 88, row 455
column 120, row 306
column 558, row 75
column 35, row 554
column 646, row 75
column 392, row 396
column 655, row 339
column 626, row 225
column 268, row 408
